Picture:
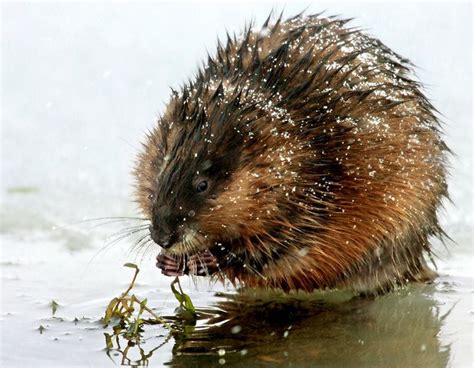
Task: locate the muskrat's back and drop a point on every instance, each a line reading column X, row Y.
column 302, row 156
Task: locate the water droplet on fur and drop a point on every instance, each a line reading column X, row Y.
column 303, row 251
column 236, row 329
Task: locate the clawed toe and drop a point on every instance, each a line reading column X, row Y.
column 203, row 264
column 169, row 265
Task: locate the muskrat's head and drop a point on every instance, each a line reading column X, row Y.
column 205, row 176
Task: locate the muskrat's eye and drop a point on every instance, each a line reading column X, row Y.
column 202, row 186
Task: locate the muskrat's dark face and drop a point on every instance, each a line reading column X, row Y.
column 200, row 184
column 180, row 182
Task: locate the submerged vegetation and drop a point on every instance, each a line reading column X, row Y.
column 54, row 306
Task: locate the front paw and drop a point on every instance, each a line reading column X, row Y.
column 168, row 265
column 203, row 264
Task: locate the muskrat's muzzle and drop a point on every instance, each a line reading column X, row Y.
column 163, row 238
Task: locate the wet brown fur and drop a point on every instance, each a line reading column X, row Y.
column 340, row 170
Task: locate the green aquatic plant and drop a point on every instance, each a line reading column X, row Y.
column 41, row 328
column 128, row 314
column 54, row 306
column 186, row 307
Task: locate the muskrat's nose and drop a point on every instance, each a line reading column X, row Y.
column 162, row 238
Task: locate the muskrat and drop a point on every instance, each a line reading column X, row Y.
column 302, row 156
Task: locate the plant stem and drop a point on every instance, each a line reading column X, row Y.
column 158, row 318
column 132, row 284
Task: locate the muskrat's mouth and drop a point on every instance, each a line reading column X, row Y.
column 191, row 243
column 179, row 249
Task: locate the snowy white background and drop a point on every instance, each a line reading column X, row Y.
column 82, row 81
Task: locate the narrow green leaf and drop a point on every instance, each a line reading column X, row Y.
column 183, row 299
column 176, row 293
column 188, row 304
column 110, row 310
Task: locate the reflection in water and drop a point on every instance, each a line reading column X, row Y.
column 131, row 353
column 257, row 328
